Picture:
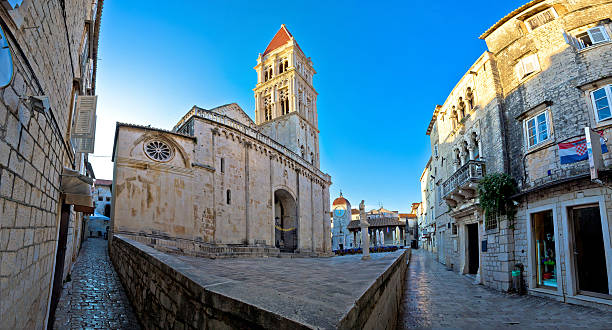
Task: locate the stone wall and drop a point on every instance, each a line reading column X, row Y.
column 166, row 296
column 378, row 307
column 34, row 148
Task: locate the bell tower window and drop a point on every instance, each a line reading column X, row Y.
column 284, row 101
column 267, row 108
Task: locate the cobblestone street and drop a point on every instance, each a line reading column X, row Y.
column 436, row 297
column 94, row 298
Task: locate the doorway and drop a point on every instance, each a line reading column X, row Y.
column 473, row 253
column 285, row 221
column 588, row 250
column 60, row 257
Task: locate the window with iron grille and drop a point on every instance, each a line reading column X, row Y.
column 490, row 220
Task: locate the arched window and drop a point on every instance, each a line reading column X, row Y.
column 284, row 101
column 268, row 108
column 229, row 197
column 286, row 65
column 266, row 76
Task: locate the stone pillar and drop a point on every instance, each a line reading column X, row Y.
column 471, row 148
column 462, row 155
column 365, row 239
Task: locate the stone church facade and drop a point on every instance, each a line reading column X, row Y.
column 545, row 77
column 221, row 184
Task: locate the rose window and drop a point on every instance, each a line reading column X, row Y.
column 158, row 151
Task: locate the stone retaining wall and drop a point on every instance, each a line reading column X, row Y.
column 164, row 296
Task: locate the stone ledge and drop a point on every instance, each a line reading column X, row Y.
column 183, row 291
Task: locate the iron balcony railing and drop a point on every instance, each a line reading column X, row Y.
column 473, row 170
column 249, row 131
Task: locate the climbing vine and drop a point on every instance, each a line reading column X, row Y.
column 495, row 191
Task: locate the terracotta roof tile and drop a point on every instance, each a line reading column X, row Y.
column 282, row 37
column 101, row 182
column 377, row 222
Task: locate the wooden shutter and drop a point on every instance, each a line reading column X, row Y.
column 572, row 41
column 84, row 126
column 530, row 64
column 598, row 34
column 520, row 71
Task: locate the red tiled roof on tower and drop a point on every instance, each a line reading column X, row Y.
column 282, row 37
column 340, row 201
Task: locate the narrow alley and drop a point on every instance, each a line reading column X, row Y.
column 94, row 298
column 436, row 297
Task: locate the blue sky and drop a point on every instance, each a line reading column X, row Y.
column 381, row 69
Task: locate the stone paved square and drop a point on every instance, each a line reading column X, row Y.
column 438, row 298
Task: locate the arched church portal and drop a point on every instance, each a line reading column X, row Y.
column 285, row 221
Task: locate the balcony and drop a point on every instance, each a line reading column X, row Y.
column 463, row 183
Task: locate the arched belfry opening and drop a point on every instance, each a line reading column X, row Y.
column 285, row 221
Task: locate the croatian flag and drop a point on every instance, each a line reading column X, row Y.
column 575, row 151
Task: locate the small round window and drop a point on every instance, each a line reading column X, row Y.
column 6, row 61
column 158, row 150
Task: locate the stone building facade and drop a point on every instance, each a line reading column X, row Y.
column 102, row 196
column 545, row 77
column 218, row 184
column 555, row 70
column 49, row 62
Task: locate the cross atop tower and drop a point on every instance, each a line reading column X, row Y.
column 285, row 99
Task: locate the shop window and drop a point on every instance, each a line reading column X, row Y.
column 545, row 253
column 602, row 98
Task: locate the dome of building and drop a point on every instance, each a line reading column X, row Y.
column 340, row 201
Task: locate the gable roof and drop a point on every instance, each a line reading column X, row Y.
column 234, row 111
column 281, row 37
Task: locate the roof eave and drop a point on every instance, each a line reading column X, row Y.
column 509, row 16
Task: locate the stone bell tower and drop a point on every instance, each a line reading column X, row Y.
column 285, row 100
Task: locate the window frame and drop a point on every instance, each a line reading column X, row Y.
column 576, row 41
column 522, row 74
column 608, row 90
column 534, row 117
column 550, row 9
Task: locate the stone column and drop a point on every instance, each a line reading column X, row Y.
column 471, row 148
column 365, row 240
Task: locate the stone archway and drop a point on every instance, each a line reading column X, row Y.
column 285, row 221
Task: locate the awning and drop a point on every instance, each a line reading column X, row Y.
column 77, row 190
